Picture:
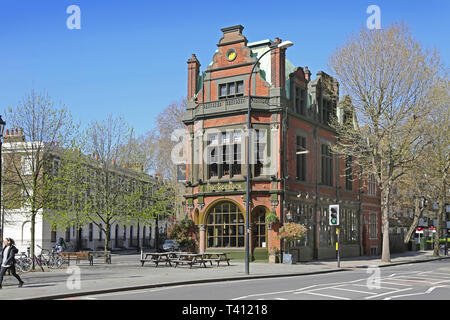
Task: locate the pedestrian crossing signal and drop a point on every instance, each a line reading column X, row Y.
column 334, row 214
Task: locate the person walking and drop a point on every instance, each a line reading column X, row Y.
column 8, row 261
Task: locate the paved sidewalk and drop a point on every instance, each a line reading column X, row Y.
column 126, row 273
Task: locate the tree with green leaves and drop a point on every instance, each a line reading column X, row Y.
column 41, row 127
column 103, row 188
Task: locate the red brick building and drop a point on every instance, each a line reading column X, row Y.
column 290, row 113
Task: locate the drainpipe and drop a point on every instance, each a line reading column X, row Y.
column 316, row 202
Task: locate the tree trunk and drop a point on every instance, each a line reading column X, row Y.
column 33, row 223
column 439, row 219
column 157, row 235
column 417, row 213
column 107, row 227
column 385, row 255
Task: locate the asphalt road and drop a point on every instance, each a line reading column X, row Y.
column 420, row 281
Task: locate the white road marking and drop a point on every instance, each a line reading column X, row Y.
column 326, row 295
column 263, row 294
column 427, row 279
column 381, row 287
column 397, row 284
column 437, row 273
column 337, row 288
column 391, row 292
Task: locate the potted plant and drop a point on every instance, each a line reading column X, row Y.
column 184, row 232
column 271, row 219
column 290, row 232
column 274, row 255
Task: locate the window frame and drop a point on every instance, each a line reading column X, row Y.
column 373, row 226
column 226, row 151
column 327, row 169
column 227, row 85
column 349, row 173
column 215, row 212
column 300, row 159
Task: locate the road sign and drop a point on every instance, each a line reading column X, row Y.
column 419, row 230
column 432, row 229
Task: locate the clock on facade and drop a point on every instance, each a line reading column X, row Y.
column 231, row 54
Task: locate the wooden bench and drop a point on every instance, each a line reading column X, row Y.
column 77, row 256
column 85, row 255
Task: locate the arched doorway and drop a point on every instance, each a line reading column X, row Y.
column 225, row 226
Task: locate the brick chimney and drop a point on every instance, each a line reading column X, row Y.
column 335, row 87
column 307, row 74
column 135, row 166
column 278, row 57
column 193, row 74
column 14, row 135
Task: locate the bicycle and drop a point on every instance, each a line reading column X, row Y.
column 23, row 263
column 51, row 259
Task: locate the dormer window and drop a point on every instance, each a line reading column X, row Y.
column 327, row 110
column 300, row 101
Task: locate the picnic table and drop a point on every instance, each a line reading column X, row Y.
column 216, row 257
column 157, row 258
column 188, row 258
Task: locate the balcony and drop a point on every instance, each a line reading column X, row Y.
column 232, row 104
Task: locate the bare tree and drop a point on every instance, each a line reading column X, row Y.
column 107, row 203
column 159, row 144
column 438, row 151
column 160, row 140
column 388, row 76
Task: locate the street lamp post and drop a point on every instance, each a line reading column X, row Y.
column 283, row 45
column 2, row 128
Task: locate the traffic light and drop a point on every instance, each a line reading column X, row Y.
column 334, row 214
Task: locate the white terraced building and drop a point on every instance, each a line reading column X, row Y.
column 16, row 224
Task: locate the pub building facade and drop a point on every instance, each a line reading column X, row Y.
column 289, row 113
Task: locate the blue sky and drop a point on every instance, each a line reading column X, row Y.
column 129, row 57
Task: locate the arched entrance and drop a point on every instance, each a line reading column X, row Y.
column 225, row 227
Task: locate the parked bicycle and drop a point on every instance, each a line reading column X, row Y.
column 49, row 258
column 23, row 262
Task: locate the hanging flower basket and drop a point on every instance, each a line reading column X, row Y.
column 292, row 231
column 271, row 219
